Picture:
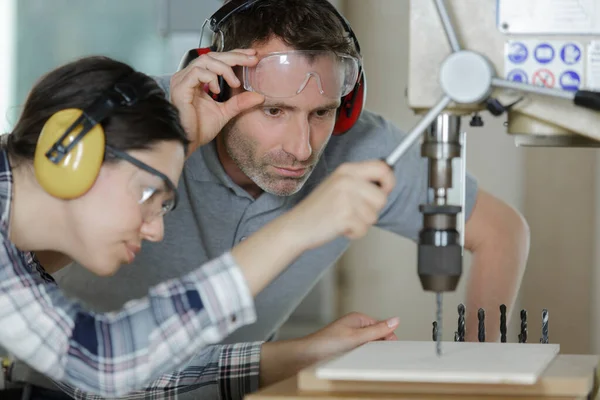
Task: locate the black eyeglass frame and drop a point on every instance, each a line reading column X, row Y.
column 142, row 165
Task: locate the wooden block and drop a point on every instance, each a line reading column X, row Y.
column 461, row 362
column 567, row 376
column 288, row 390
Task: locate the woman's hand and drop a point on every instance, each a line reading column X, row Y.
column 281, row 360
column 346, row 333
column 347, row 203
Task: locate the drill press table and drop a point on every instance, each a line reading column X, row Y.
column 565, row 377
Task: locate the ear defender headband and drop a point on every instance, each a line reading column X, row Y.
column 351, row 105
column 70, row 148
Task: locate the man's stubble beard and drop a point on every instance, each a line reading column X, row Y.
column 242, row 151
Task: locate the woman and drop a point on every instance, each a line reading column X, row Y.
column 100, row 218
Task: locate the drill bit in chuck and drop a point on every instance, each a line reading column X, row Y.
column 438, row 345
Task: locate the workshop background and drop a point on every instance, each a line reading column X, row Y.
column 558, row 190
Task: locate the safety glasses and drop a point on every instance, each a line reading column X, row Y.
column 286, row 74
column 156, row 194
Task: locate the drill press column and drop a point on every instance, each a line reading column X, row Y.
column 440, row 245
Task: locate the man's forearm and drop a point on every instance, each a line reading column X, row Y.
column 498, row 238
column 497, row 269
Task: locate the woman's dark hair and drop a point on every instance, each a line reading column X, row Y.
column 77, row 85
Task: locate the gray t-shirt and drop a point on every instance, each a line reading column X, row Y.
column 214, row 214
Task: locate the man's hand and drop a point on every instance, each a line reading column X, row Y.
column 280, row 360
column 201, row 116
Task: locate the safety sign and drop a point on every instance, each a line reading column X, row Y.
column 544, row 53
column 570, row 53
column 517, row 75
column 543, row 77
column 570, row 80
column 550, row 63
column 517, row 52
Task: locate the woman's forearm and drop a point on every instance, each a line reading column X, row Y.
column 281, row 360
column 265, row 254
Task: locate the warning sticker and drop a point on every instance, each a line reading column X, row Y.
column 593, row 66
column 549, row 17
column 543, row 77
column 551, row 63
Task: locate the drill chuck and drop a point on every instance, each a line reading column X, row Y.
column 440, row 267
column 440, row 250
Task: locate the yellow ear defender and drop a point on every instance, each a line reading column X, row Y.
column 76, row 172
column 70, row 149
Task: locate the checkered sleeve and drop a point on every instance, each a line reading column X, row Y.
column 227, row 372
column 239, row 370
column 112, row 354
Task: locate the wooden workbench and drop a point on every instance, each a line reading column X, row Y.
column 567, row 377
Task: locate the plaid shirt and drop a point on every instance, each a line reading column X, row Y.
column 113, row 354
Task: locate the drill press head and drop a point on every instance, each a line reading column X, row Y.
column 440, row 244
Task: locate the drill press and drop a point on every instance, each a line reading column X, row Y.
column 468, row 80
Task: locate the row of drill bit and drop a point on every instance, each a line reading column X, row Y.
column 459, row 335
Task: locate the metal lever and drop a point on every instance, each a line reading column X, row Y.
column 582, row 98
column 417, row 131
column 448, row 27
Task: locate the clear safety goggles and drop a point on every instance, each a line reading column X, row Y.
column 153, row 190
column 286, row 74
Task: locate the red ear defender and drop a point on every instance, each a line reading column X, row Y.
column 191, row 56
column 351, row 107
column 352, row 104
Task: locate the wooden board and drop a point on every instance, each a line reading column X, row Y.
column 288, row 390
column 461, row 362
column 567, row 376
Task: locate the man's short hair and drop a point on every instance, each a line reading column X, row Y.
column 301, row 24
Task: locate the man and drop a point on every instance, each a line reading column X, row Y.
column 264, row 162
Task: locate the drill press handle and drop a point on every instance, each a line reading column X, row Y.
column 587, row 99
column 582, row 98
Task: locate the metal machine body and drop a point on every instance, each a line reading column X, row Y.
column 456, row 69
column 534, row 121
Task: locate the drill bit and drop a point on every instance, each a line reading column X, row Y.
column 502, row 323
column 544, row 338
column 461, row 323
column 481, row 318
column 438, row 346
column 434, row 331
column 523, row 334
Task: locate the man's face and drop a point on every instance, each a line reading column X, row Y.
column 278, row 144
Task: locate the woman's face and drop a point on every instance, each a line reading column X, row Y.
column 123, row 208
